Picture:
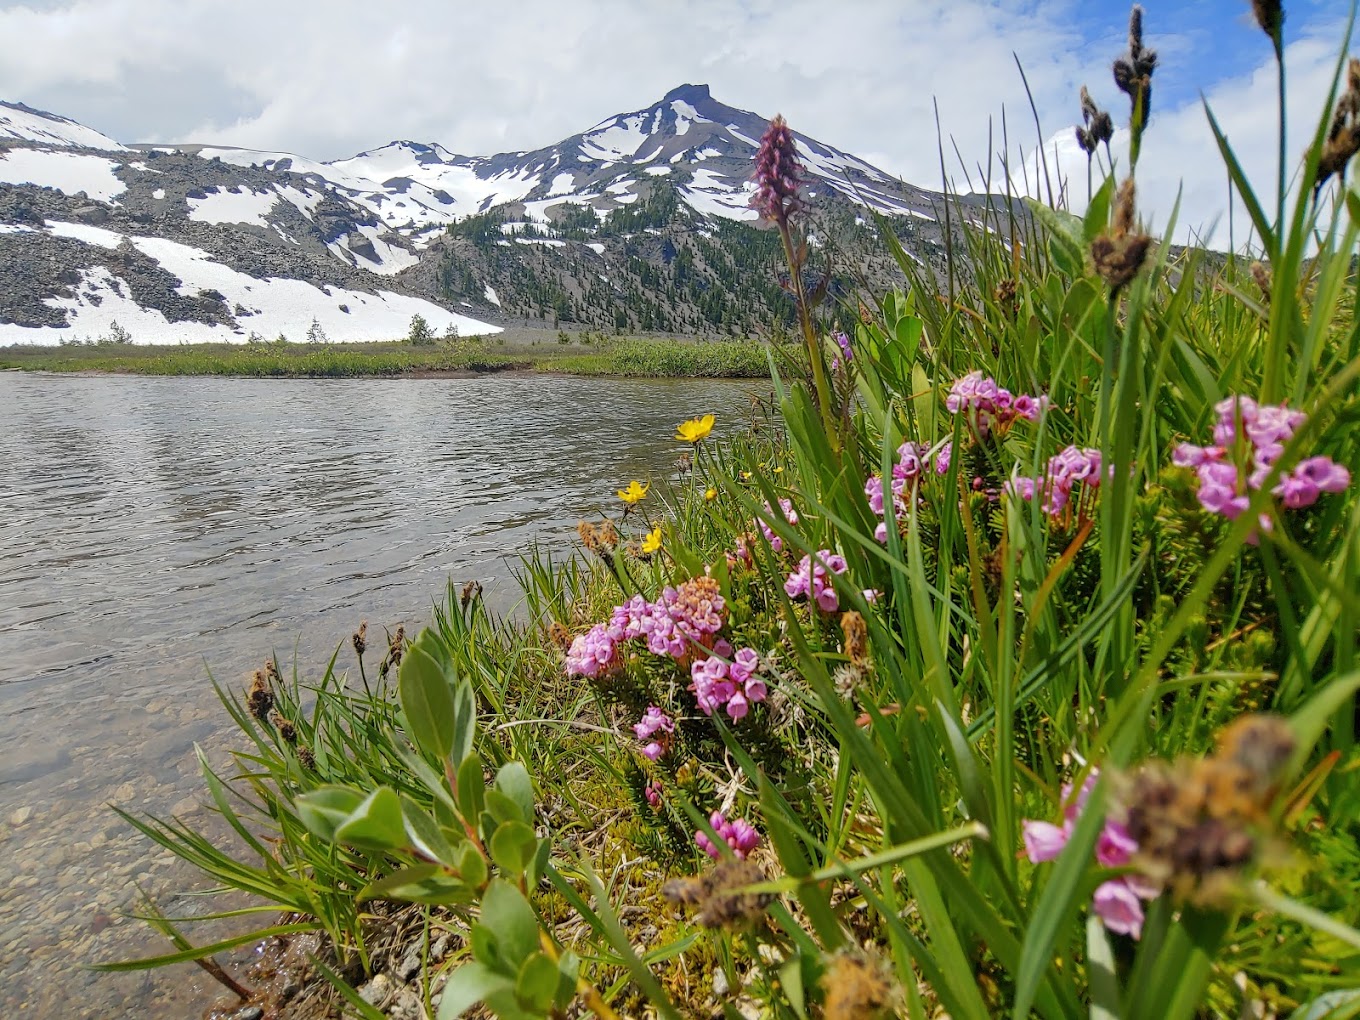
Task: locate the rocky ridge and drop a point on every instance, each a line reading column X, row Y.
column 640, row 222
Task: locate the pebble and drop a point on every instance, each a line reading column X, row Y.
column 720, row 985
column 378, row 991
column 409, row 966
column 249, row 1013
column 19, row 817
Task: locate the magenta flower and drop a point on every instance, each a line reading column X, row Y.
column 1066, row 469
column 653, row 794
column 592, row 654
column 739, row 835
column 790, row 515
column 1119, row 907
column 1248, row 440
column 814, row 582
column 717, row 683
column 1117, row 902
column 655, row 721
column 988, row 406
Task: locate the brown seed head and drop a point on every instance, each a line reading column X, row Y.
column 1201, row 822
column 720, row 897
column 856, row 987
column 1261, row 275
column 559, row 635
column 361, row 638
column 259, row 696
column 1117, row 261
column 471, row 591
column 856, row 639
column 1343, row 135
column 1269, row 15
column 1133, row 70
column 285, row 728
column 306, row 759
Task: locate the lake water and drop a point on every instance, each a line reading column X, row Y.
column 152, row 529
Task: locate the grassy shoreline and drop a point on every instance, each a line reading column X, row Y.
column 619, row 357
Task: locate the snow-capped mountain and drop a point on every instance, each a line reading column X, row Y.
column 193, row 242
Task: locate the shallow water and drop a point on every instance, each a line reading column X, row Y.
column 151, row 529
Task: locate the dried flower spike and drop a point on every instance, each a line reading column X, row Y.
column 856, row 987
column 1133, row 72
column 259, row 696
column 1343, row 136
column 719, row 897
column 1269, row 15
column 1120, row 254
column 778, row 174
column 361, row 638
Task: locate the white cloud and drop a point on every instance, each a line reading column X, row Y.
column 327, row 78
column 1180, row 156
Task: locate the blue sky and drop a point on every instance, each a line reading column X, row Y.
column 328, row 78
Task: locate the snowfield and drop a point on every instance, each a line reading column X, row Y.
column 31, row 126
column 68, row 172
column 271, row 306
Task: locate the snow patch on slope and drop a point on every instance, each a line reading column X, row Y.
column 239, row 205
column 31, row 126
column 275, row 305
column 68, row 172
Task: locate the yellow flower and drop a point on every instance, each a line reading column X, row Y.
column 710, row 495
column 695, row 429
column 652, row 542
column 635, row 491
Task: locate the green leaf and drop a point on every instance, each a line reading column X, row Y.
column 471, row 788
column 536, row 987
column 486, row 948
column 1311, row 719
column 506, row 912
column 422, row 883
column 472, row 865
column 513, row 846
column 513, row 781
column 426, row 695
column 464, row 719
column 1097, row 219
column 568, row 971
column 468, row 985
column 424, row 833
column 326, row 808
column 376, row 824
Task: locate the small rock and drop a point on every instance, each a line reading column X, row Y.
column 409, row 966
column 378, row 991
column 19, row 817
column 187, row 806
column 125, row 792
column 440, row 949
column 720, row 985
column 249, row 1013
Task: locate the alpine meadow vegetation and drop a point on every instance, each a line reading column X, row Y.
column 1004, row 664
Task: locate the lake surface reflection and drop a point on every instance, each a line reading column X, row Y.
column 151, row 529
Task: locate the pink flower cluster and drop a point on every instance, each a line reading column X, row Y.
column 989, row 406
column 1065, row 470
column 682, row 618
column 740, row 835
column 790, row 515
column 735, row 685
column 1264, row 432
column 653, row 794
column 655, row 721
column 1117, row 902
column 911, row 464
column 814, row 582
